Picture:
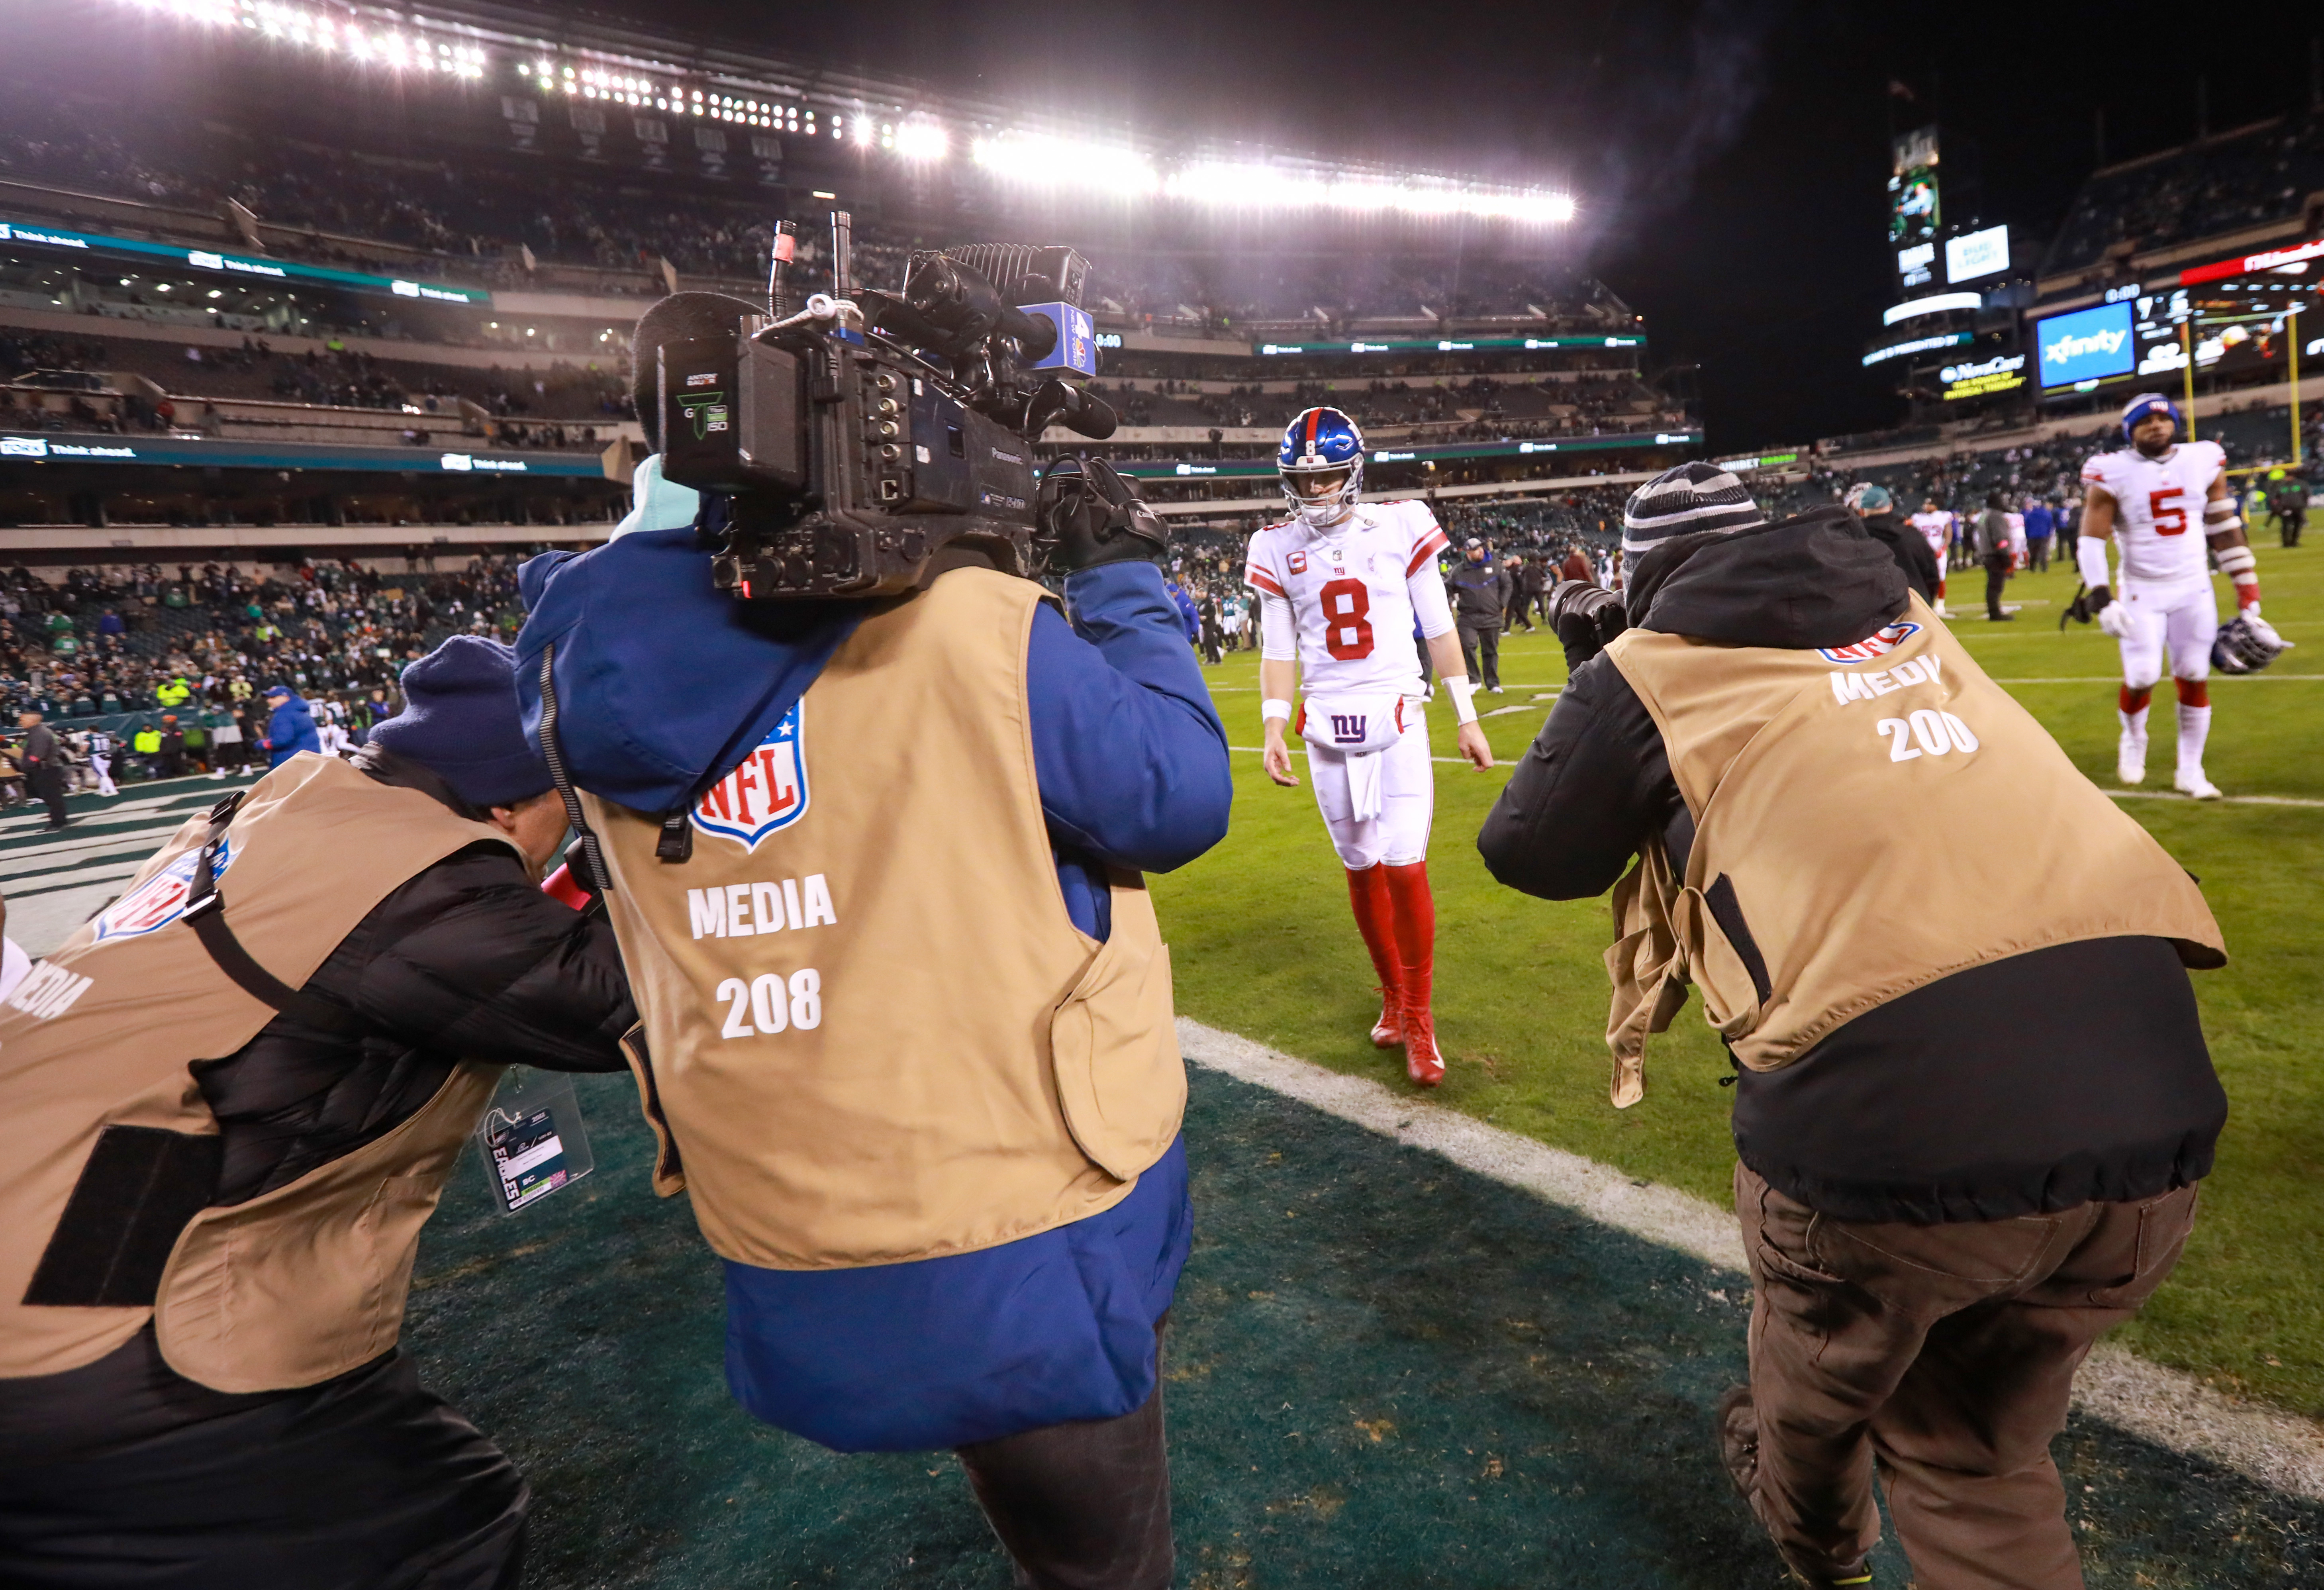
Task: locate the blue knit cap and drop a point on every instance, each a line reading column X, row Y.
column 460, row 720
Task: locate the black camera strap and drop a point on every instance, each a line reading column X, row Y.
column 599, row 879
column 206, row 914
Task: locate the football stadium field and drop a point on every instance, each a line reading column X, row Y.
column 1391, row 1367
column 1402, row 1353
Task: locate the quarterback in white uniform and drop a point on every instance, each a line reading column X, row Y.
column 1344, row 586
column 2149, row 497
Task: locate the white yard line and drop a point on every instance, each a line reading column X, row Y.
column 49, row 858
column 2164, row 1406
column 72, row 877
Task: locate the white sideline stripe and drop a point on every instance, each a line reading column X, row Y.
column 18, row 864
column 2239, row 800
column 2164, row 1406
column 73, row 878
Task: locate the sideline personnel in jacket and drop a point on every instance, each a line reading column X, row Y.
column 214, row 1181
column 909, row 1050
column 1973, row 1098
column 290, row 725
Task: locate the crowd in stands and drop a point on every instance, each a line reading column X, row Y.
column 2248, row 178
column 125, row 638
column 561, row 407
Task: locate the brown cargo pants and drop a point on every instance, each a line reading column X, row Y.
column 1947, row 1353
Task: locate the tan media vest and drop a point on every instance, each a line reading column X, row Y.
column 1861, row 828
column 910, row 1050
column 97, row 1106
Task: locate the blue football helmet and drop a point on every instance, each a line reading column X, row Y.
column 1320, row 441
column 2145, row 403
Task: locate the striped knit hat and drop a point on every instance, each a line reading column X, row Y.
column 1681, row 501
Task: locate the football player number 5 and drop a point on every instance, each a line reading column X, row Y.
column 1347, row 619
column 2170, row 518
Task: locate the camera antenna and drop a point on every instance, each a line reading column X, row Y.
column 843, row 254
column 781, row 250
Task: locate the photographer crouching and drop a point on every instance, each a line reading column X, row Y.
column 874, row 865
column 1973, row 1096
column 232, row 1098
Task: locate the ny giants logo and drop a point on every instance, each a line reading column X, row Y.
column 1878, row 646
column 160, row 899
column 767, row 793
column 1348, row 728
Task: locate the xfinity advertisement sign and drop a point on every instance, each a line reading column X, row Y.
column 2089, row 345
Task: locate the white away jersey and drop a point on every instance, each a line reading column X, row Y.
column 1348, row 592
column 2159, row 508
column 1936, row 528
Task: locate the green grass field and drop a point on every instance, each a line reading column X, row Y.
column 1263, row 944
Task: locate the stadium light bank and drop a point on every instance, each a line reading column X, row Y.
column 1038, row 160
column 402, row 39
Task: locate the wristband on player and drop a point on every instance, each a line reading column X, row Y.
column 1268, row 711
column 1464, row 698
column 2241, row 570
column 2090, row 560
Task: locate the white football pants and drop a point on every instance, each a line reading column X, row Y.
column 1399, row 835
column 2182, row 618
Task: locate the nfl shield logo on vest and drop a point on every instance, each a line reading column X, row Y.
column 766, row 793
column 160, row 899
column 1865, row 651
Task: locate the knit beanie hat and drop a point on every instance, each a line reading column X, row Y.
column 1866, row 498
column 461, row 721
column 1681, row 501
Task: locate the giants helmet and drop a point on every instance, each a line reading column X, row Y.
column 2145, row 403
column 1320, row 441
column 2245, row 645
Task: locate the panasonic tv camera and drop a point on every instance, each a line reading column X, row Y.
column 844, row 444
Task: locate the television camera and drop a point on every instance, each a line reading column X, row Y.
column 846, row 442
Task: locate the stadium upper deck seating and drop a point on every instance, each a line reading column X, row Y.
column 2250, row 177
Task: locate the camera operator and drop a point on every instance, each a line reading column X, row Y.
column 1973, row 1096
column 215, row 1180
column 911, row 1051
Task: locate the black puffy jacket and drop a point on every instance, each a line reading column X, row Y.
column 467, row 960
column 2020, row 1086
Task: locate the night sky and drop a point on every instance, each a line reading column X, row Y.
column 1731, row 156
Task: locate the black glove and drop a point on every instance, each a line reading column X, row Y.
column 1089, row 516
column 1586, row 618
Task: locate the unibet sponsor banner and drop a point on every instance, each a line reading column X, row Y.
column 2089, row 345
column 47, row 239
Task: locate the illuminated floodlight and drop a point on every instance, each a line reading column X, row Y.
column 918, row 140
column 1041, row 162
column 1256, row 186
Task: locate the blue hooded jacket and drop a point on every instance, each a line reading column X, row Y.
column 663, row 686
column 291, row 729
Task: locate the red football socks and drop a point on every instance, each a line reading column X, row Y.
column 2134, row 701
column 2194, row 692
column 1416, row 930
column 1368, row 894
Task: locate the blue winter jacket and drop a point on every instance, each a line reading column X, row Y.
column 663, row 686
column 291, row 729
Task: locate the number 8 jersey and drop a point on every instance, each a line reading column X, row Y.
column 2159, row 508
column 1350, row 590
